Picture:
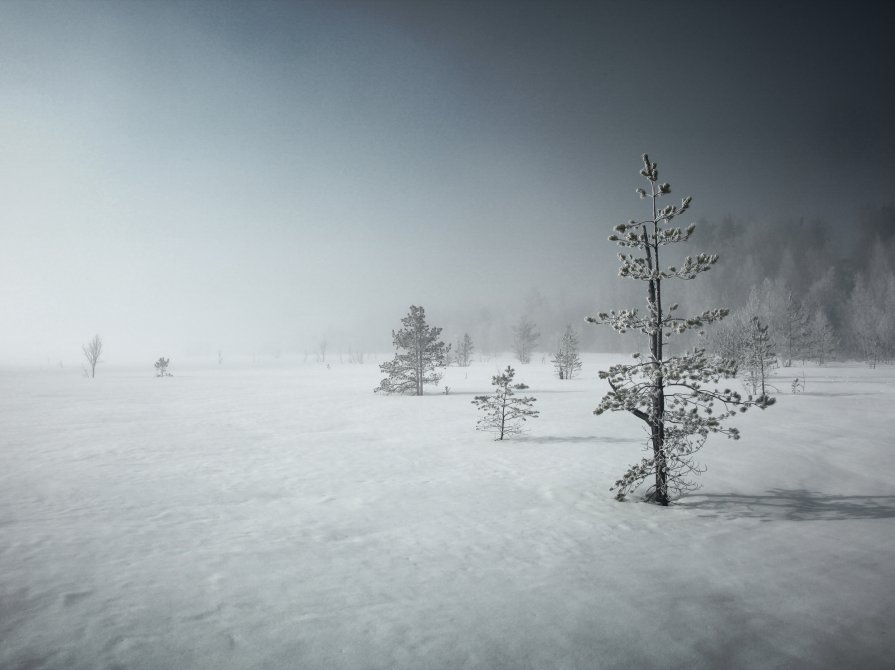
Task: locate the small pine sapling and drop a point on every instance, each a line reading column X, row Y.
column 673, row 395
column 504, row 411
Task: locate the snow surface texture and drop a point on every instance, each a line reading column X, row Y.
column 291, row 518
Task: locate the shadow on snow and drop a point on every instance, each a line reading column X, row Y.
column 792, row 505
column 596, row 440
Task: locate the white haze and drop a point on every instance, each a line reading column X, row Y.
column 188, row 178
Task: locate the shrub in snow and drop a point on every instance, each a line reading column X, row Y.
column 419, row 353
column 673, row 395
column 504, row 411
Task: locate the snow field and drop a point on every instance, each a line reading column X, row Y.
column 290, row 517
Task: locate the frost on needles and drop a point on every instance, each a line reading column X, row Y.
column 504, row 411
column 677, row 397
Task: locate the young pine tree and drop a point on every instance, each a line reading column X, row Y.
column 418, row 353
column 566, row 360
column 673, row 395
column 504, row 411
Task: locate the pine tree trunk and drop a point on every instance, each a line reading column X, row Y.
column 657, row 415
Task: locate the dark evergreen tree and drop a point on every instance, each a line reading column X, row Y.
column 673, row 395
column 566, row 360
column 419, row 353
column 504, row 411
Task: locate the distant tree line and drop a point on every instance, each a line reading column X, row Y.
column 818, row 298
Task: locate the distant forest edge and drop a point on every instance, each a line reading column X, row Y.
column 826, row 291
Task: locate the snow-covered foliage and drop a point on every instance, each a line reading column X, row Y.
column 871, row 314
column 675, row 396
column 566, row 360
column 419, row 353
column 821, row 338
column 504, row 411
column 759, row 358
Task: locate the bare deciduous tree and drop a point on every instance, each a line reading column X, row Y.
column 92, row 351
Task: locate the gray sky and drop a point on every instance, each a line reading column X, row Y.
column 184, row 177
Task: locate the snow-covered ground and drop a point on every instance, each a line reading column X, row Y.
column 288, row 517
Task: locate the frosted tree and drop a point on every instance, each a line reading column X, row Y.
column 161, row 367
column 92, row 351
column 822, row 340
column 464, row 350
column 504, row 411
column 864, row 320
column 566, row 361
column 759, row 357
column 674, row 396
column 792, row 329
column 525, row 337
column 419, row 352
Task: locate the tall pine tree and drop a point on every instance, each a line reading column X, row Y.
column 673, row 395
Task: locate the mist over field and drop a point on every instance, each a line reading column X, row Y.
column 184, row 178
column 294, row 362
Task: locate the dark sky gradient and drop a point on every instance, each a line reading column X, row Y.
column 184, row 177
